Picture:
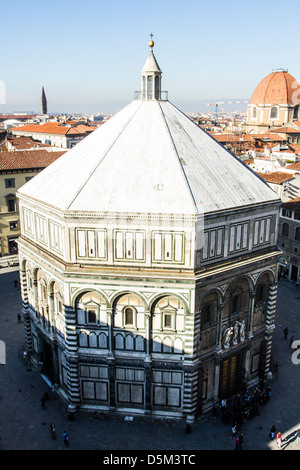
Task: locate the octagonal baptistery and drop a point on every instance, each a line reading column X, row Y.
column 148, row 265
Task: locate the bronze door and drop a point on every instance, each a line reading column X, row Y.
column 231, row 376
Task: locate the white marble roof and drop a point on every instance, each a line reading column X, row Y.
column 148, row 158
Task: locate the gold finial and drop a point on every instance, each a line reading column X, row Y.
column 151, row 43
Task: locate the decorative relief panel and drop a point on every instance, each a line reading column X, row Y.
column 212, row 244
column 261, row 232
column 129, row 245
column 168, row 247
column 238, row 237
column 91, row 243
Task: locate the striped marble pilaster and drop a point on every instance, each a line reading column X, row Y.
column 189, row 341
column 71, row 352
column 270, row 318
column 190, row 393
column 26, row 313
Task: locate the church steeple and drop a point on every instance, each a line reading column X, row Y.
column 43, row 102
column 151, row 77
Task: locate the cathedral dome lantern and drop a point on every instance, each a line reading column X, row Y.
column 151, row 77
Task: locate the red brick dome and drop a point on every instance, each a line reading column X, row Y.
column 279, row 87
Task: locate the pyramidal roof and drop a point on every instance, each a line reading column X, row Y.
column 151, row 64
column 148, row 158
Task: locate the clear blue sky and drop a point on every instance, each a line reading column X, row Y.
column 88, row 55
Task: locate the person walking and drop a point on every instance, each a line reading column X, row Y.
column 234, row 431
column 237, row 443
column 52, row 430
column 65, row 437
column 241, row 440
column 279, row 440
column 272, row 432
column 285, row 332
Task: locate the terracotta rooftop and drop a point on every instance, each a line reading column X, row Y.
column 286, row 130
column 21, row 160
column 293, row 204
column 233, row 137
column 294, row 166
column 23, row 142
column 54, row 128
column 278, row 87
column 269, row 136
column 276, row 177
column 295, row 147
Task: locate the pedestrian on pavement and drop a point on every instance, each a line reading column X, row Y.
column 272, row 432
column 19, row 318
column 285, row 332
column 65, row 437
column 237, row 443
column 234, row 431
column 279, row 440
column 52, row 430
column 276, row 365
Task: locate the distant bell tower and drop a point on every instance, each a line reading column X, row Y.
column 43, row 102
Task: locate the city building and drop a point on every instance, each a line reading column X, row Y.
column 148, row 265
column 62, row 135
column 289, row 240
column 16, row 168
column 274, row 102
column 285, row 184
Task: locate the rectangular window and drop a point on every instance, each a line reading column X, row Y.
column 92, row 317
column 9, row 182
column 11, row 205
column 286, row 213
column 13, row 225
column 168, row 320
